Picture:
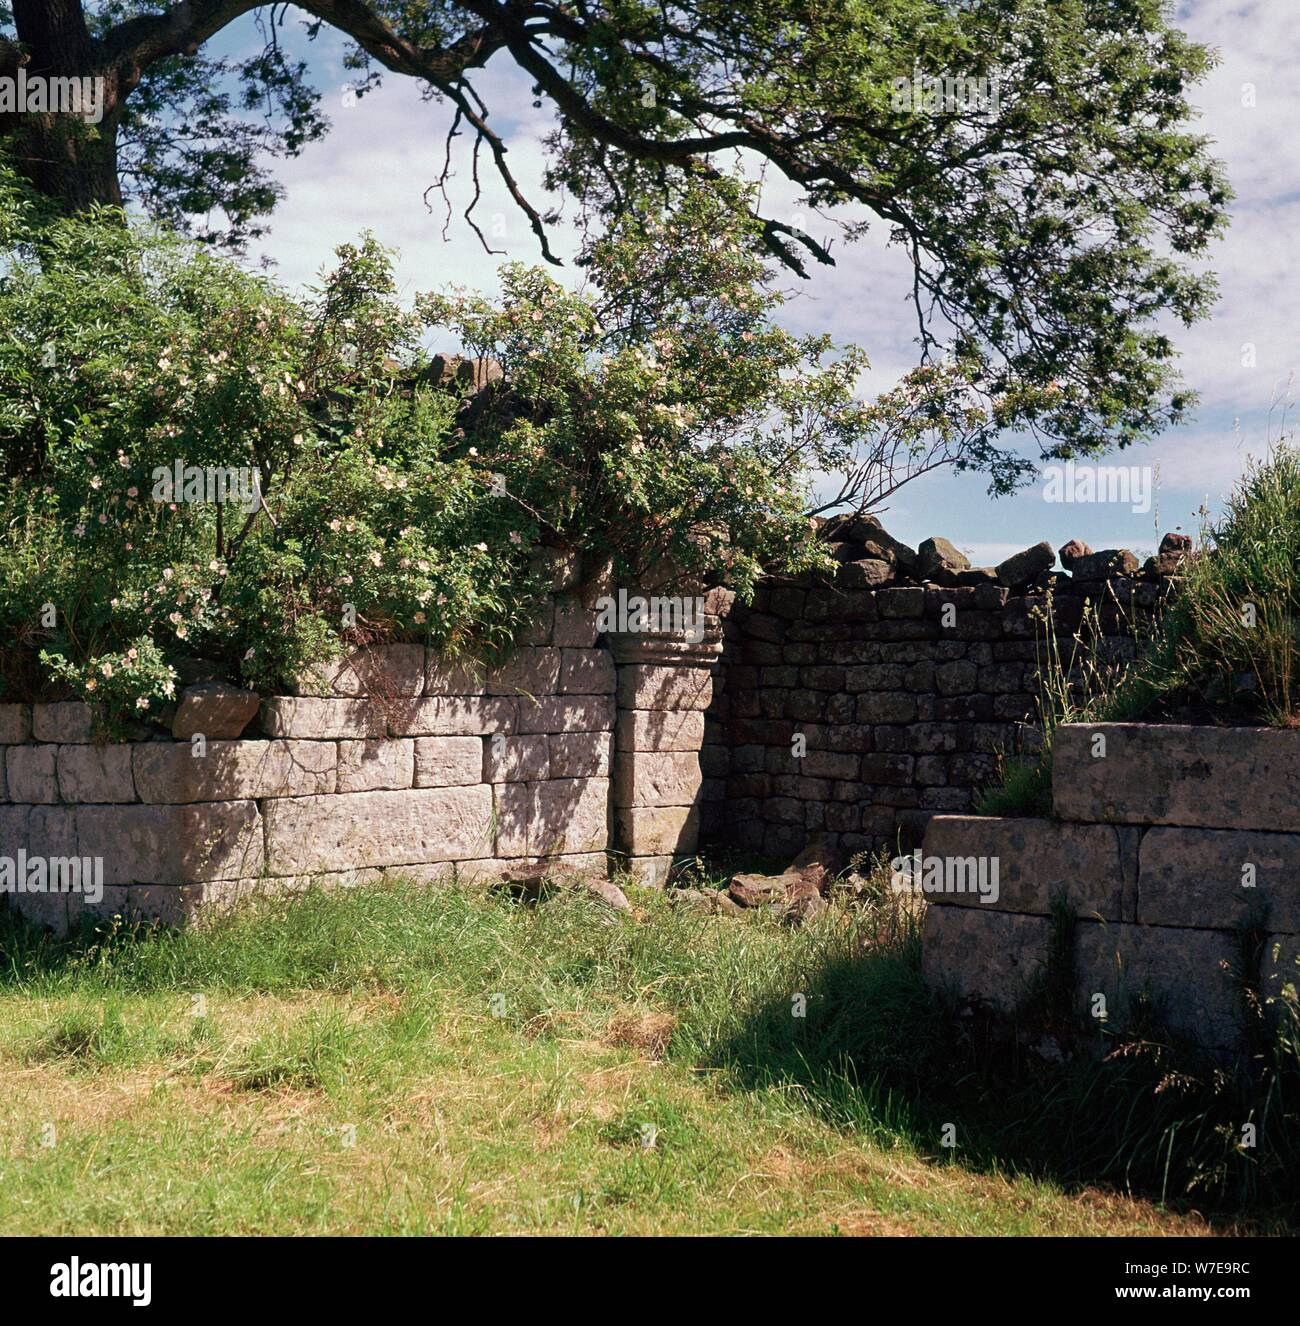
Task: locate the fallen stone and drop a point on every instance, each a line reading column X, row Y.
column 1104, row 565
column 865, row 574
column 1022, row 567
column 939, row 554
column 1175, row 543
column 1072, row 551
column 758, row 890
column 218, row 711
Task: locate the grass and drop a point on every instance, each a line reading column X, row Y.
column 1227, row 648
column 399, row 1059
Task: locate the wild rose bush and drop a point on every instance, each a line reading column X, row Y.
column 658, row 418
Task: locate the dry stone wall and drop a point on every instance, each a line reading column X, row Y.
column 853, row 708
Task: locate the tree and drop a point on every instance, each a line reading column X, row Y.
column 1048, row 222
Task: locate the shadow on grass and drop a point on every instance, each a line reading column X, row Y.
column 876, row 1051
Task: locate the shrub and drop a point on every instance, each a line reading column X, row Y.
column 197, row 463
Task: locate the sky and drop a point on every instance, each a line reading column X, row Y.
column 372, row 170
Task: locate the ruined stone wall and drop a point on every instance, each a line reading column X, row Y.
column 1173, row 855
column 855, row 707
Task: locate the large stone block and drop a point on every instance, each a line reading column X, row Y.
column 15, row 724
column 1202, row 777
column 1035, row 861
column 173, row 844
column 448, row 761
column 581, row 754
column 462, row 678
column 657, row 830
column 453, row 716
column 13, row 828
column 376, row 765
column 995, row 958
column 1187, row 974
column 31, row 774
column 649, row 686
column 170, row 773
column 587, row 672
column 321, row 720
column 67, row 722
column 567, row 713
column 575, row 625
column 386, row 671
column 667, row 778
column 516, row 759
column 311, row 835
column 531, row 671
column 559, row 816
column 1219, row 879
column 218, row 711
column 660, row 729
column 95, row 774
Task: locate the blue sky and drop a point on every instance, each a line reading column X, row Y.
column 373, row 168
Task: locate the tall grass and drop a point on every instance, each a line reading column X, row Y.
column 1227, row 646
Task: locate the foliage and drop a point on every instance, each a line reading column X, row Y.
column 1048, row 226
column 364, row 501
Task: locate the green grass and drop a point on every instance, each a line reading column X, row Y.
column 402, row 1059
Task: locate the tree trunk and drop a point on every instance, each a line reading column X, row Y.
column 68, row 159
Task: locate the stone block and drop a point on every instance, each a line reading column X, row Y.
column 531, row 671
column 15, row 724
column 1187, row 974
column 516, row 759
column 95, row 774
column 1200, row 777
column 587, row 672
column 994, row 958
column 452, row 716
column 385, row 670
column 67, row 722
column 170, row 773
column 558, row 816
column 657, row 830
column 321, row 720
column 1218, row 879
column 649, row 686
column 643, row 778
column 567, row 713
column 31, row 774
column 461, row 678
column 448, row 761
column 376, row 765
column 1035, row 861
column 218, row 711
column 187, row 844
column 575, row 625
column 307, row 835
column 581, row 754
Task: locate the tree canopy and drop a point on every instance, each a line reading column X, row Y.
column 1050, row 228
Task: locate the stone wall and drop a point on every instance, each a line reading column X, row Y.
column 1177, row 852
column 392, row 760
column 852, row 709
